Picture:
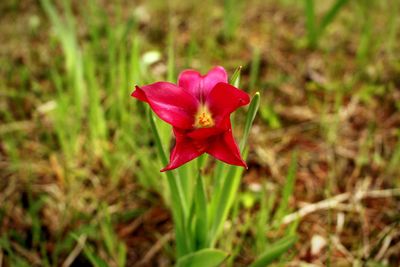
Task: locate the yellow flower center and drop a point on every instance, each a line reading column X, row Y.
column 203, row 118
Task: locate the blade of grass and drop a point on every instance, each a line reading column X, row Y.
column 311, row 24
column 287, row 191
column 364, row 45
column 263, row 218
column 97, row 123
column 315, row 30
column 94, row 259
column 331, row 14
column 231, row 17
column 255, row 68
column 274, row 251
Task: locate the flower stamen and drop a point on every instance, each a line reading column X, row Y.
column 203, row 118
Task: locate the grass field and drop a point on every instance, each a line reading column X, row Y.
column 79, row 173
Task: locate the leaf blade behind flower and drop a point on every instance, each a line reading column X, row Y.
column 230, row 181
column 274, row 251
column 203, row 258
column 179, row 208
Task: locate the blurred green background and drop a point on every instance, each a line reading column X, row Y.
column 79, row 180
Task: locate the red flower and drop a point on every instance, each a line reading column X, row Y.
column 199, row 109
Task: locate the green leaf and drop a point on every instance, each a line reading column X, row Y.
column 203, row 258
column 176, row 191
column 251, row 114
column 179, row 205
column 225, row 200
column 201, row 213
column 235, row 79
column 230, row 179
column 274, row 251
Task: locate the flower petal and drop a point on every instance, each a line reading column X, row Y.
column 203, row 133
column 200, row 86
column 212, row 78
column 224, row 99
column 139, row 94
column 184, row 151
column 170, row 102
column 225, row 149
column 190, row 80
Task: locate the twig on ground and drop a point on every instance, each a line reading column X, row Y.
column 348, row 256
column 393, row 250
column 1, row 257
column 32, row 257
column 384, row 248
column 155, row 249
column 12, row 185
column 75, row 252
column 17, row 126
column 130, row 228
column 334, row 201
